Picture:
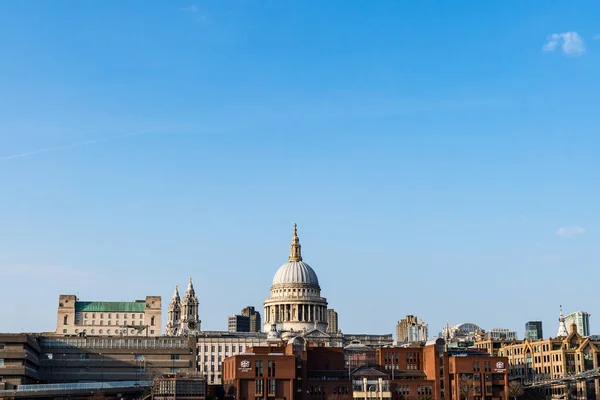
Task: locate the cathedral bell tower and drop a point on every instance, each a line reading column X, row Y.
column 172, row 328
column 190, row 323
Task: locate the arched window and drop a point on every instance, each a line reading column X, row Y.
column 66, row 320
column 152, row 321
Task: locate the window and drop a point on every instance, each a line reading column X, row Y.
column 212, row 348
column 239, row 349
column 152, row 321
column 117, row 316
column 100, row 331
column 259, row 386
column 139, row 357
column 1, row 362
column 93, row 315
column 109, row 315
column 272, row 386
column 258, row 368
column 1, row 346
column 84, row 356
column 101, row 316
column 66, row 320
column 174, row 356
column 132, row 316
column 205, row 348
column 108, row 331
column 226, row 349
column 64, row 331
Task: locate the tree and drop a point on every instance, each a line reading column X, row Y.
column 515, row 389
column 465, row 386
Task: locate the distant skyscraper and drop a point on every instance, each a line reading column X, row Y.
column 582, row 320
column 332, row 321
column 411, row 329
column 249, row 321
column 533, row 330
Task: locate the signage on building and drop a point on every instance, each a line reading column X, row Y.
column 245, row 366
column 500, row 367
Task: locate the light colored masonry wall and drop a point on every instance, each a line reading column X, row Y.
column 109, row 322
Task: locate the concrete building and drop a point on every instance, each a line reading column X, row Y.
column 106, row 318
column 97, row 359
column 183, row 318
column 248, row 321
column 19, row 360
column 411, row 329
column 533, row 330
column 295, row 303
column 214, row 347
column 179, row 388
column 501, row 334
column 581, row 319
column 332, row 321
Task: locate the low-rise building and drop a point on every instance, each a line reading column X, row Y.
column 19, row 360
column 179, row 388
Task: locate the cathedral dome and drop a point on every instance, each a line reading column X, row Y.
column 295, row 272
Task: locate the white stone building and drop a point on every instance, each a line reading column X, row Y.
column 108, row 318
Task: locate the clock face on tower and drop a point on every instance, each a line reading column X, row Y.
column 191, row 325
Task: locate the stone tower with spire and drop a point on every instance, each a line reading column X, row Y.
column 183, row 315
column 173, row 323
column 190, row 323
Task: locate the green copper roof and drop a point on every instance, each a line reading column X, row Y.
column 110, row 306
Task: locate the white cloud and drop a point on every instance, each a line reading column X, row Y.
column 570, row 43
column 569, row 231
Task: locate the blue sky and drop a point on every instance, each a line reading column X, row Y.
column 440, row 158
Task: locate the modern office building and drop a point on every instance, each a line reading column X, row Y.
column 411, row 329
column 108, row 318
column 533, row 330
column 248, row 321
column 581, row 319
column 332, row 321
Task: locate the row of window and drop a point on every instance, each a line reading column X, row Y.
column 487, row 366
column 109, row 332
column 85, row 321
column 85, row 315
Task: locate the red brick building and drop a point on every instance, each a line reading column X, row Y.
column 300, row 372
column 294, row 371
